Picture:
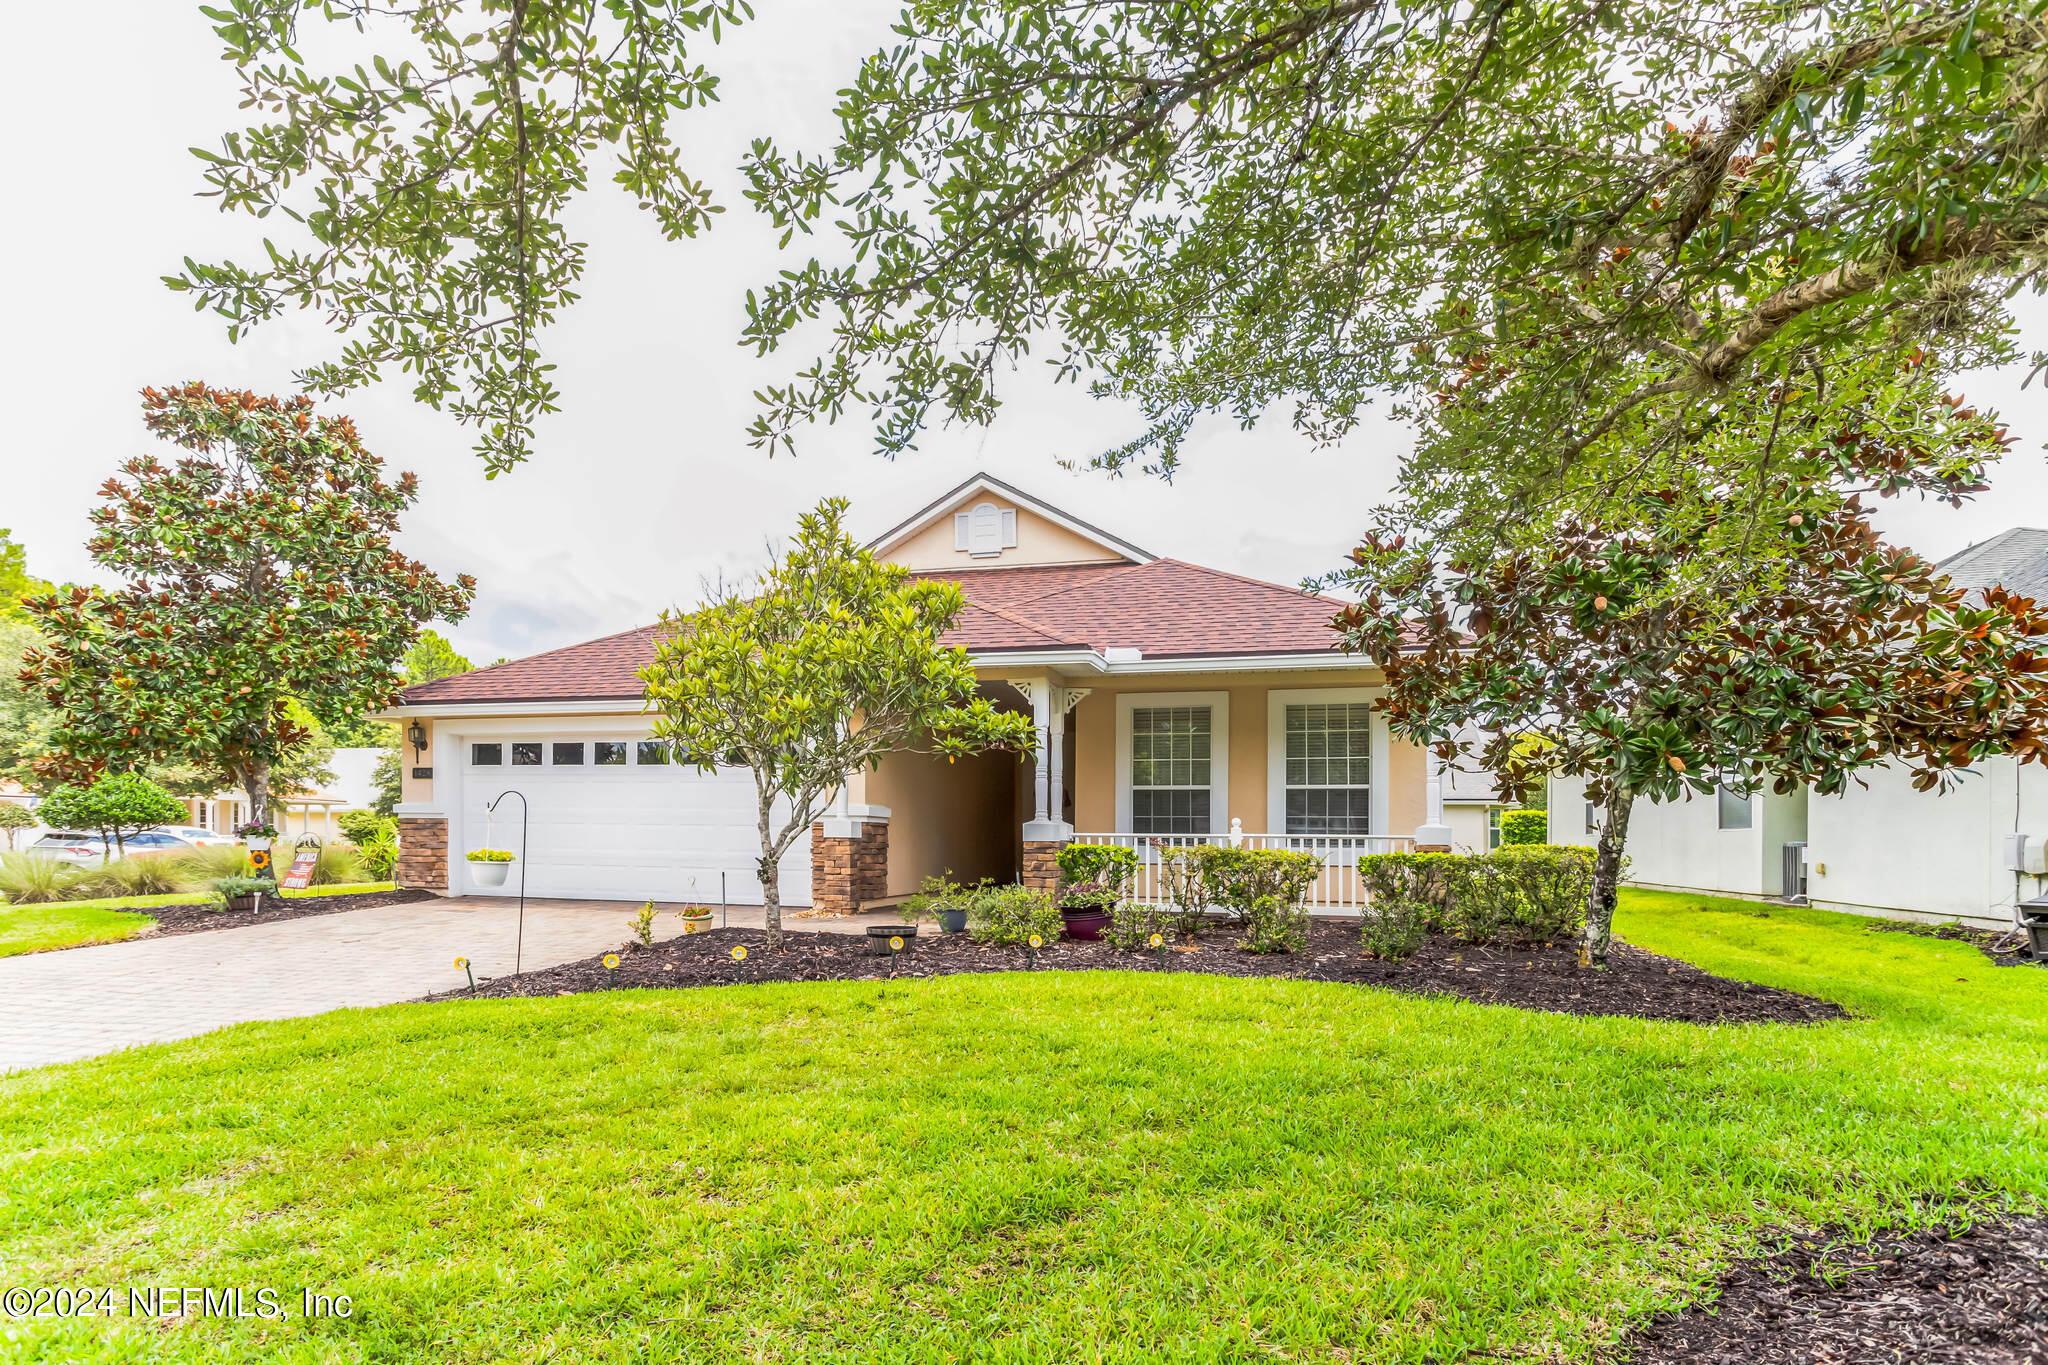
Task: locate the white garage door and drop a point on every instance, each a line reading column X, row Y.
column 611, row 819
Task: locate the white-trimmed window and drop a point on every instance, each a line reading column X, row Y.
column 1171, row 752
column 1326, row 769
column 1329, row 767
column 1173, row 762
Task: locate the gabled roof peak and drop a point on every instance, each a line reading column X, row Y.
column 986, row 483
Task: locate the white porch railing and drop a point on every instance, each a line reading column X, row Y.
column 1337, row 890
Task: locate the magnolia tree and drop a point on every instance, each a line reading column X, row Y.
column 828, row 664
column 258, row 571
column 1604, row 648
column 115, row 807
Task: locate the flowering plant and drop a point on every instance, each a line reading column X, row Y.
column 491, row 855
column 256, row 829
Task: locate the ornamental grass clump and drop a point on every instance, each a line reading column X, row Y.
column 29, row 879
column 1011, row 915
column 149, row 875
column 339, row 865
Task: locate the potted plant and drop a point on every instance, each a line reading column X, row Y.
column 241, row 893
column 488, row 866
column 1085, row 907
column 696, row 918
column 941, row 899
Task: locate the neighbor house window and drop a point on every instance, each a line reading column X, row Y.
column 653, row 751
column 1492, row 827
column 1329, row 768
column 487, row 755
column 611, row 753
column 568, row 755
column 526, row 755
column 1734, row 809
column 1592, row 819
column 1170, row 769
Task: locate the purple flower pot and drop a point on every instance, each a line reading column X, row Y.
column 1086, row 922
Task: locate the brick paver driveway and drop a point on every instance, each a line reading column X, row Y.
column 58, row 1007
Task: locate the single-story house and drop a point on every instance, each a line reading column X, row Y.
column 1878, row 848
column 1173, row 701
column 301, row 812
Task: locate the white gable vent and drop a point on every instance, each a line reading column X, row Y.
column 985, row 530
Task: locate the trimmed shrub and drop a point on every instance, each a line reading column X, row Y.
column 1012, row 914
column 28, row 879
column 1106, row 863
column 1421, row 885
column 1391, row 926
column 1181, row 872
column 1549, row 885
column 1524, row 827
column 1238, row 878
column 1275, row 924
column 1131, row 926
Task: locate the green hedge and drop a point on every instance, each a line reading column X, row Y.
column 1527, row 893
column 1524, row 827
column 1097, row 863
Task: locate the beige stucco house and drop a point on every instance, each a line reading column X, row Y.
column 1175, row 702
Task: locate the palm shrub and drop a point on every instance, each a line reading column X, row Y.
column 1012, row 914
column 1524, row 827
column 26, row 879
column 379, row 855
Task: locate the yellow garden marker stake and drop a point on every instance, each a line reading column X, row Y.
column 463, row 963
column 611, row 969
column 739, row 956
column 895, row 947
column 1159, row 946
column 1031, row 953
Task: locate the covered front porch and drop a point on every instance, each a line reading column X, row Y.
column 1294, row 758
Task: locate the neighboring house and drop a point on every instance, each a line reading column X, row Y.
column 1880, row 847
column 12, row 793
column 1175, row 701
column 1473, row 806
column 302, row 812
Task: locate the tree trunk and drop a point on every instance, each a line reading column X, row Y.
column 1600, row 901
column 771, row 875
column 256, row 786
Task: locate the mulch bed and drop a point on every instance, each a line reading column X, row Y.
column 1978, row 1296
column 2006, row 948
column 1546, row 977
column 200, row 919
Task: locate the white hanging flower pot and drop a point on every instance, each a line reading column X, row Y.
column 488, row 868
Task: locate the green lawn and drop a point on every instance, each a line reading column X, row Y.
column 67, row 924
column 1058, row 1167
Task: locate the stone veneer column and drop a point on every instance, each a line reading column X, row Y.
column 849, row 859
column 1041, row 864
column 423, row 852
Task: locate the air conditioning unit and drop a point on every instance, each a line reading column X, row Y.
column 2027, row 853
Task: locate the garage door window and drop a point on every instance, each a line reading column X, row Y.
column 568, row 755
column 526, row 755
column 487, row 755
column 611, row 753
column 653, row 752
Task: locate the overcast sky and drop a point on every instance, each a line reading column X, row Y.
column 644, row 485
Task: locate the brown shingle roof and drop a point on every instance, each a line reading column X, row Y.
column 1166, row 608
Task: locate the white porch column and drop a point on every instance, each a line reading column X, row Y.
column 1048, row 713
column 1434, row 833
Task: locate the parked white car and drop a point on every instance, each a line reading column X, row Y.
column 89, row 850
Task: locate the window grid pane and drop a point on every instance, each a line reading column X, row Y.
column 653, row 752
column 568, row 755
column 1328, row 768
column 487, row 755
column 610, row 753
column 1171, row 757
column 526, row 755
